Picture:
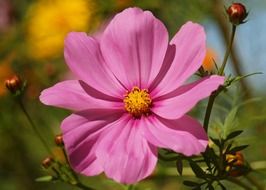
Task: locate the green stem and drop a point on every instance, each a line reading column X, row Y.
column 254, row 182
column 33, row 125
column 56, row 172
column 69, row 176
column 208, row 112
column 221, row 72
column 239, row 183
column 65, row 155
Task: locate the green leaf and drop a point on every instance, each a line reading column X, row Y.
column 197, row 169
column 230, row 80
column 216, row 141
column 222, row 186
column 234, row 134
column 179, row 166
column 230, row 121
column 238, row 148
column 190, row 183
column 209, row 156
column 210, row 187
column 44, row 178
column 245, row 76
column 228, row 147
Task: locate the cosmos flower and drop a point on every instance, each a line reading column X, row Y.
column 48, row 22
column 130, row 98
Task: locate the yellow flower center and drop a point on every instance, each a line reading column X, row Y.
column 138, row 102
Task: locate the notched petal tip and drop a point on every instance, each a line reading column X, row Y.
column 133, row 46
column 194, row 26
column 219, row 80
column 204, row 144
column 71, row 35
column 72, row 38
column 131, row 10
column 44, row 97
column 184, row 135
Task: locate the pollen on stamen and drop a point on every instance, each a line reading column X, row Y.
column 138, row 102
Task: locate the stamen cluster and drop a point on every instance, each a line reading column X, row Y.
column 138, row 102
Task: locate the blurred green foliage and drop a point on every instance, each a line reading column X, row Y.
column 21, row 151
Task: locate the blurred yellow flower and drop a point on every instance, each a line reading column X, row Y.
column 208, row 62
column 50, row 20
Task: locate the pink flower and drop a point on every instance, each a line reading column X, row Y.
column 130, row 98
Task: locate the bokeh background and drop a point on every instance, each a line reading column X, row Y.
column 31, row 45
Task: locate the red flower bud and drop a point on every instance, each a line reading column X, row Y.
column 13, row 84
column 237, row 13
column 47, row 162
column 59, row 140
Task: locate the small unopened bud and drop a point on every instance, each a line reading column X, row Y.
column 14, row 84
column 47, row 162
column 59, row 140
column 235, row 165
column 237, row 13
column 236, row 159
column 239, row 159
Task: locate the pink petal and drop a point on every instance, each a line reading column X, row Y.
column 84, row 58
column 188, row 124
column 182, row 100
column 75, row 95
column 81, row 132
column 134, row 45
column 126, row 156
column 189, row 55
column 184, row 135
column 168, row 59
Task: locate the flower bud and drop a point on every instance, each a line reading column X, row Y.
column 59, row 140
column 14, row 84
column 237, row 13
column 47, row 162
column 235, row 165
column 236, row 159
